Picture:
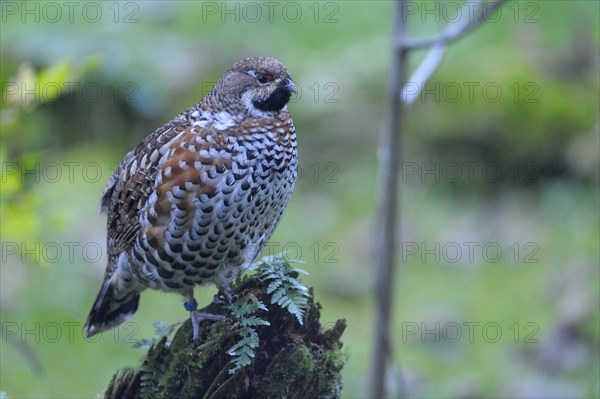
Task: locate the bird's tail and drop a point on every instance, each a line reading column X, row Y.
column 116, row 302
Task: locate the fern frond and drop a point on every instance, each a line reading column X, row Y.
column 244, row 310
column 286, row 291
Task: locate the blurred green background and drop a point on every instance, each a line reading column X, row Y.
column 497, row 291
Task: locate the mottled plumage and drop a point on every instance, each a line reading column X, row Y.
column 198, row 199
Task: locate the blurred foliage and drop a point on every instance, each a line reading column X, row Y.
column 18, row 206
column 94, row 90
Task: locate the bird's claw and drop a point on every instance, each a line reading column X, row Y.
column 224, row 296
column 199, row 316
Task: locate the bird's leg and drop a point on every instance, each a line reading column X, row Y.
column 198, row 316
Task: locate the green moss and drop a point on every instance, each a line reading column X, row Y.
column 187, row 362
column 288, row 374
column 292, row 360
column 330, row 371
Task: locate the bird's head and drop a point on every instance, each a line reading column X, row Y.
column 258, row 86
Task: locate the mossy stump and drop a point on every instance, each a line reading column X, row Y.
column 291, row 361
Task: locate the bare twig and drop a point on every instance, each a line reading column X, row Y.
column 386, row 235
column 436, row 54
column 457, row 29
column 421, row 75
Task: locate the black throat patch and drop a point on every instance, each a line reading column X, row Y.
column 276, row 101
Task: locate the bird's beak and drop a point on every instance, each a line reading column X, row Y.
column 289, row 86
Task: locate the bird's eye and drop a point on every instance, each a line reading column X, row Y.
column 264, row 78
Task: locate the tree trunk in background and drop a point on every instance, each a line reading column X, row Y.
column 292, row 360
column 387, row 240
column 387, row 236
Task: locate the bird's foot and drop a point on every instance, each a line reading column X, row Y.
column 224, row 296
column 198, row 316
